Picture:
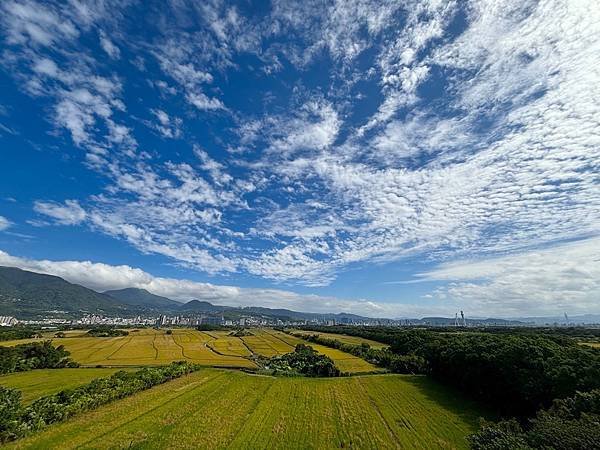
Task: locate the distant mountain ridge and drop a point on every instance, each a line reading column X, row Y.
column 28, row 295
column 25, row 294
column 142, row 298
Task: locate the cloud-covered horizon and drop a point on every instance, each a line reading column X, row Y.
column 544, row 282
column 294, row 142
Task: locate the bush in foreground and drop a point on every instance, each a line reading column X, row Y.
column 570, row 424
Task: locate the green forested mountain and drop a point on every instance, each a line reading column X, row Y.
column 143, row 298
column 27, row 294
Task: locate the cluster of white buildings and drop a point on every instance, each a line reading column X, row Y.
column 120, row 321
column 8, row 321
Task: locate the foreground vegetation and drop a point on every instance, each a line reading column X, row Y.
column 17, row 420
column 572, row 423
column 346, row 362
column 520, row 373
column 215, row 408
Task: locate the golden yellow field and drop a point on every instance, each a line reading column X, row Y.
column 153, row 347
column 591, row 344
column 353, row 340
column 148, row 346
column 344, row 361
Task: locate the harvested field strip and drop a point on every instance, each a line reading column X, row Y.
column 378, row 412
column 230, row 346
column 353, row 340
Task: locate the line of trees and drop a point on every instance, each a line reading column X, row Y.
column 17, row 421
column 408, row 364
column 13, row 333
column 35, row 355
column 106, row 331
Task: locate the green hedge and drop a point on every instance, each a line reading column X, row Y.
column 17, row 421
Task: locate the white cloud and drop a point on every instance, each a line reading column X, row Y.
column 4, row 223
column 168, row 127
column 101, row 277
column 344, row 29
column 69, row 213
column 204, row 103
column 29, row 22
column 546, row 281
column 107, row 45
column 179, row 59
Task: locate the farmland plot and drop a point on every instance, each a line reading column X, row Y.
column 195, row 411
column 214, row 348
column 344, row 361
column 345, row 339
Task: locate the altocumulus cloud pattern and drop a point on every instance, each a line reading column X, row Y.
column 293, row 141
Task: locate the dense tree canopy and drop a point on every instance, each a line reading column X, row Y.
column 36, row 355
column 303, row 360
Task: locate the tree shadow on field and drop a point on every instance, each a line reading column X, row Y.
column 451, row 399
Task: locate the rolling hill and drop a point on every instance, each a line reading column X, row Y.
column 27, row 294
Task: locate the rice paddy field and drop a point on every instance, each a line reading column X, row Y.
column 218, row 408
column 344, row 361
column 151, row 347
column 353, row 340
column 38, row 383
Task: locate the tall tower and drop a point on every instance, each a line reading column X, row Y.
column 464, row 321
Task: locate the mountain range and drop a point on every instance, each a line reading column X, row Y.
column 31, row 295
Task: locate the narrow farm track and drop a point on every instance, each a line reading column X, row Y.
column 155, row 347
column 125, row 342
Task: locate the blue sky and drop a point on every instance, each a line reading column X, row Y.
column 384, row 158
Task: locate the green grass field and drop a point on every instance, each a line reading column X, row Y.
column 38, row 383
column 216, row 408
column 353, row 340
